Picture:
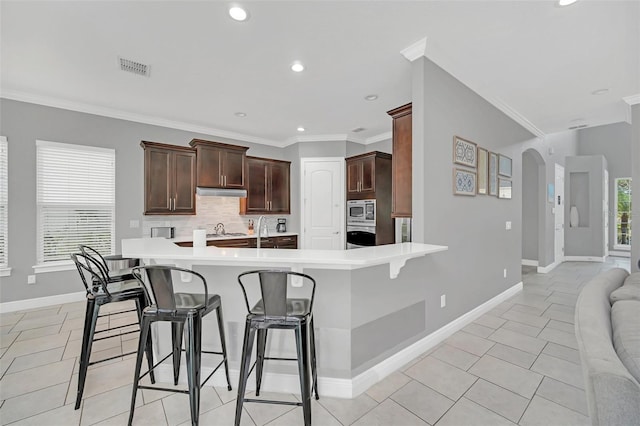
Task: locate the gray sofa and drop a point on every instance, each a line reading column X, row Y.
column 607, row 324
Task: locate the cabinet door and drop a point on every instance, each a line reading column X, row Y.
column 256, row 201
column 287, row 242
column 279, row 189
column 233, row 169
column 401, row 169
column 184, row 167
column 368, row 179
column 354, row 173
column 210, row 167
column 236, row 242
column 157, row 181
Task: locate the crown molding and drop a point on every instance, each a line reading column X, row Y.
column 131, row 116
column 416, row 50
column 632, row 100
column 379, row 138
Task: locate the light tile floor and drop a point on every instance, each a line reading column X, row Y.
column 517, row 364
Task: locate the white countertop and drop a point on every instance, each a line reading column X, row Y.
column 163, row 250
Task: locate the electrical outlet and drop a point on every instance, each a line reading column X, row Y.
column 507, row 225
column 505, row 272
column 443, row 300
column 31, row 279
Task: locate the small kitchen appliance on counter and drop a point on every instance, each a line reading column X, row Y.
column 282, row 225
column 163, row 232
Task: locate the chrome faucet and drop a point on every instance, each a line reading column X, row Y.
column 262, row 220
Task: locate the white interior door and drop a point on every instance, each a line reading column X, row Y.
column 558, row 204
column 323, row 206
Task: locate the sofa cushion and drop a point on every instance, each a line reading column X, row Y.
column 633, row 279
column 625, row 322
column 626, row 292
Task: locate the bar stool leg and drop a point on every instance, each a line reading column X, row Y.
column 176, row 342
column 145, row 325
column 303, row 370
column 247, row 345
column 141, row 303
column 193, row 346
column 260, row 346
column 223, row 343
column 90, row 321
column 314, row 368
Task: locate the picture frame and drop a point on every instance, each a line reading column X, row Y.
column 504, row 188
column 464, row 182
column 464, row 152
column 551, row 192
column 493, row 174
column 504, row 165
column 483, row 171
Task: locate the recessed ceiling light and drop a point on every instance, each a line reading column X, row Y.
column 566, row 2
column 238, row 13
column 600, row 92
column 241, row 114
column 301, row 129
column 371, row 97
column 297, row 67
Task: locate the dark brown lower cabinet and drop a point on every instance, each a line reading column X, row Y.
column 284, row 242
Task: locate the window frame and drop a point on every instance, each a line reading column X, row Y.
column 616, row 245
column 44, row 265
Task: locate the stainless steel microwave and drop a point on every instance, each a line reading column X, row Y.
column 361, row 212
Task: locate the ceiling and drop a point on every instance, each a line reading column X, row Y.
column 536, row 61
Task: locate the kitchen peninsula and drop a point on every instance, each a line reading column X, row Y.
column 370, row 305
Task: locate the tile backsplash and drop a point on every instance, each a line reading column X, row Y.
column 210, row 211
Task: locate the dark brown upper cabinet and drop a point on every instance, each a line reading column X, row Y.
column 220, row 165
column 169, row 179
column 401, row 169
column 268, row 188
column 365, row 172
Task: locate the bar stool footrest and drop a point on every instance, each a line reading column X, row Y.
column 112, row 357
column 269, row 401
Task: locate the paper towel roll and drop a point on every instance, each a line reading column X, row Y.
column 199, row 237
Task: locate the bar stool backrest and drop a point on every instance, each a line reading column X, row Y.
column 99, row 263
column 93, row 276
column 159, row 285
column 274, row 288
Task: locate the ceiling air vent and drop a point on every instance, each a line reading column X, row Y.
column 358, row 129
column 580, row 126
column 134, row 67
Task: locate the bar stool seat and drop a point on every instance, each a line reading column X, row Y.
column 185, row 312
column 274, row 310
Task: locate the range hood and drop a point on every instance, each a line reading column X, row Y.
column 221, row 192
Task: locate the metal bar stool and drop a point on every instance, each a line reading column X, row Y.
column 276, row 311
column 102, row 289
column 181, row 309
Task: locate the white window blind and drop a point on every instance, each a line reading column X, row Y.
column 75, row 198
column 4, row 203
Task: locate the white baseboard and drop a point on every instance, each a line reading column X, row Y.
column 350, row 388
column 619, row 253
column 548, row 268
column 39, row 302
column 528, row 262
column 584, row 258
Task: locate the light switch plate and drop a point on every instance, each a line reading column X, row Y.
column 507, row 225
column 134, row 224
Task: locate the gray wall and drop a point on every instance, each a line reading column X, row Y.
column 587, row 239
column 471, row 272
column 530, row 205
column 635, row 188
column 614, row 142
column 23, row 123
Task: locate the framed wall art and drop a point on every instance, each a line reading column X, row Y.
column 493, row 173
column 504, row 188
column 464, row 182
column 504, row 165
column 483, row 170
column 464, row 152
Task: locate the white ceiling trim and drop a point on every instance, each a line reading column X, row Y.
column 419, row 49
column 379, row 138
column 130, row 116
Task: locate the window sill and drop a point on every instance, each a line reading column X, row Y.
column 62, row 265
column 622, row 247
column 5, row 272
